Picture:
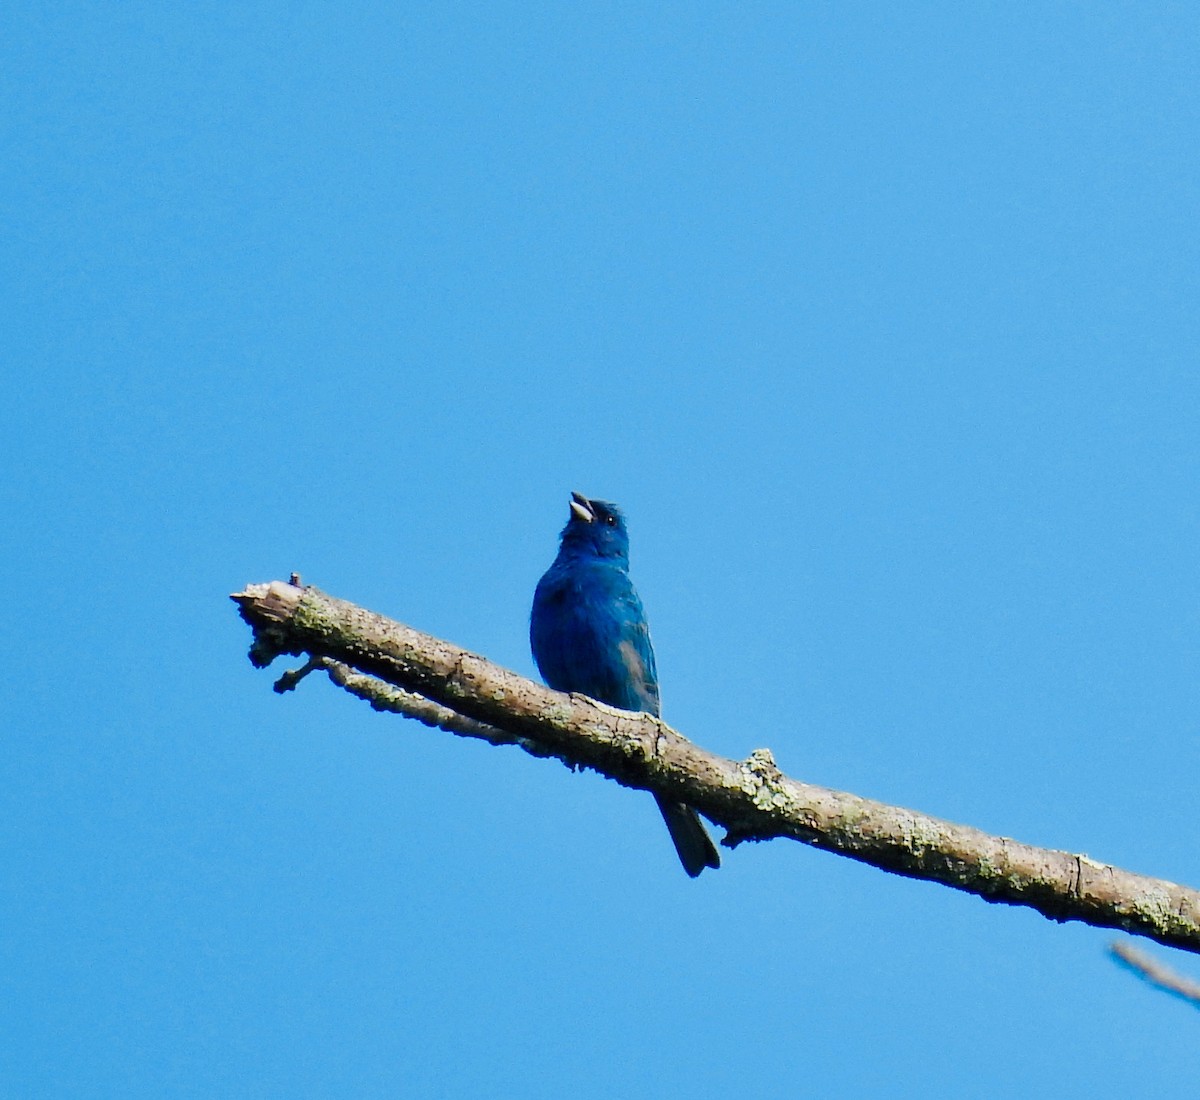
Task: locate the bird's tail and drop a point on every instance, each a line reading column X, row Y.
column 692, row 842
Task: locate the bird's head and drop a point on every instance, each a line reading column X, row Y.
column 596, row 527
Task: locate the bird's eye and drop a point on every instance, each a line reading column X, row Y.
column 611, row 520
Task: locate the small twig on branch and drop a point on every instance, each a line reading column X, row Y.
column 1156, row 973
column 387, row 697
column 459, row 691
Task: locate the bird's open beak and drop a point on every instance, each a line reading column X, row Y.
column 581, row 508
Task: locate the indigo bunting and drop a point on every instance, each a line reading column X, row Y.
column 588, row 634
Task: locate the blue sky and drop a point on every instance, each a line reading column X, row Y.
column 881, row 325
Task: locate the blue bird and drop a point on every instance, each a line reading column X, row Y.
column 588, row 633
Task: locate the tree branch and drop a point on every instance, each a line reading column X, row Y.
column 1155, row 974
column 459, row 691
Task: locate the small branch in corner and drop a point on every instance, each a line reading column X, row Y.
column 1155, row 973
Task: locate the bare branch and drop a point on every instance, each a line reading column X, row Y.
column 1155, row 973
column 752, row 799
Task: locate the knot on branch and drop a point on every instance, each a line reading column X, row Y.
column 763, row 782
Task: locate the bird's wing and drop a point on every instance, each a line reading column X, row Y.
column 637, row 656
